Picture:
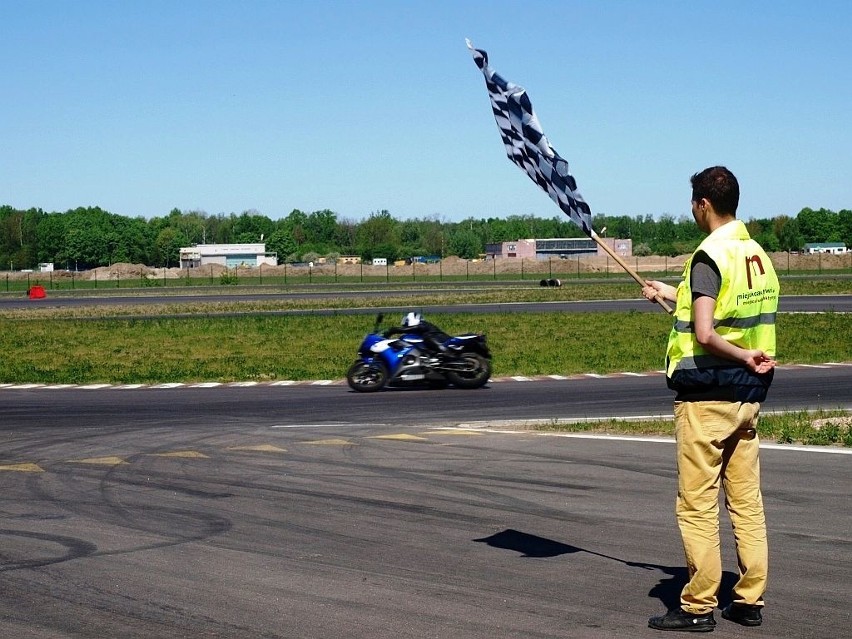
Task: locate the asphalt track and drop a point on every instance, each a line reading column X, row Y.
column 313, row 512
column 310, row 511
column 787, row 304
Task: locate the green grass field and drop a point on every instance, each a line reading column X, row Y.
column 125, row 344
column 299, row 347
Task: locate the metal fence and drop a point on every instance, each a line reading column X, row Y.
column 126, row 276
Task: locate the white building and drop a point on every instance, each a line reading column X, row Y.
column 832, row 248
column 228, row 255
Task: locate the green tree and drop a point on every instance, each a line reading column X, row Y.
column 789, row 236
column 320, row 229
column 51, row 232
column 345, row 237
column 220, row 230
column 844, row 223
column 294, row 224
column 378, row 234
column 87, row 237
column 18, row 237
column 167, row 246
column 819, row 226
column 252, row 227
column 411, row 238
column 465, row 243
column 664, row 241
column 193, row 224
column 282, row 243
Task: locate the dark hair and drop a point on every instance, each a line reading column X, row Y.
column 719, row 186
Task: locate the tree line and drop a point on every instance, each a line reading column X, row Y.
column 88, row 237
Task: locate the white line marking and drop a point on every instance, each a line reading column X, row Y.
column 59, row 386
column 284, row 382
column 169, row 385
column 814, row 366
column 809, row 449
column 242, row 384
column 636, row 374
column 521, row 378
column 619, row 438
column 828, row 450
column 323, row 382
column 558, row 377
column 130, row 386
column 595, row 375
column 206, row 385
column 95, row 386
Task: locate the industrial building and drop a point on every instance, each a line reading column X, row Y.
column 557, row 247
column 832, row 248
column 228, row 255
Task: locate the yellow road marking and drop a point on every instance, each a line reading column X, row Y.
column 260, row 448
column 189, row 454
column 331, row 442
column 23, row 468
column 404, row 437
column 453, row 431
column 106, row 461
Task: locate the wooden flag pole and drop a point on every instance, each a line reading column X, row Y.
column 632, row 273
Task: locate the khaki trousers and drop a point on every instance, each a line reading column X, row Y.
column 717, row 444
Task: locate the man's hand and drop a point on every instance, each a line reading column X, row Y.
column 654, row 289
column 759, row 362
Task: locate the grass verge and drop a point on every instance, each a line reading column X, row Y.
column 818, row 428
column 297, row 347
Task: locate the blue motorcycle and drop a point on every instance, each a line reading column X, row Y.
column 386, row 360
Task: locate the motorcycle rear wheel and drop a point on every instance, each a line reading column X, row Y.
column 367, row 377
column 478, row 376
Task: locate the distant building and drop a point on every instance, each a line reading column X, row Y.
column 620, row 246
column 833, row 248
column 349, row 259
column 380, row 261
column 557, row 247
column 228, row 255
column 524, row 249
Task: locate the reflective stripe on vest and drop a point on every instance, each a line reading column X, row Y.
column 745, row 309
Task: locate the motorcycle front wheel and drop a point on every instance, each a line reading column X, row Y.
column 367, row 377
column 476, row 371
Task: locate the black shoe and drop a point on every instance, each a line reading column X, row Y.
column 679, row 619
column 743, row 614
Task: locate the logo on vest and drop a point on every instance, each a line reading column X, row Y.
column 751, row 263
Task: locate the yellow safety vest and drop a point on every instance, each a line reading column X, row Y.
column 744, row 315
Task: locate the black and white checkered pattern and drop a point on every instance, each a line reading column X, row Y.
column 527, row 146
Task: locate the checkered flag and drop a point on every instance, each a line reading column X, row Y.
column 527, row 146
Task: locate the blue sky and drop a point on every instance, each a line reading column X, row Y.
column 357, row 106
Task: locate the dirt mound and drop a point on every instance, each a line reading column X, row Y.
column 450, row 266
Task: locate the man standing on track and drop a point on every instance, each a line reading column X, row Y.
column 720, row 362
